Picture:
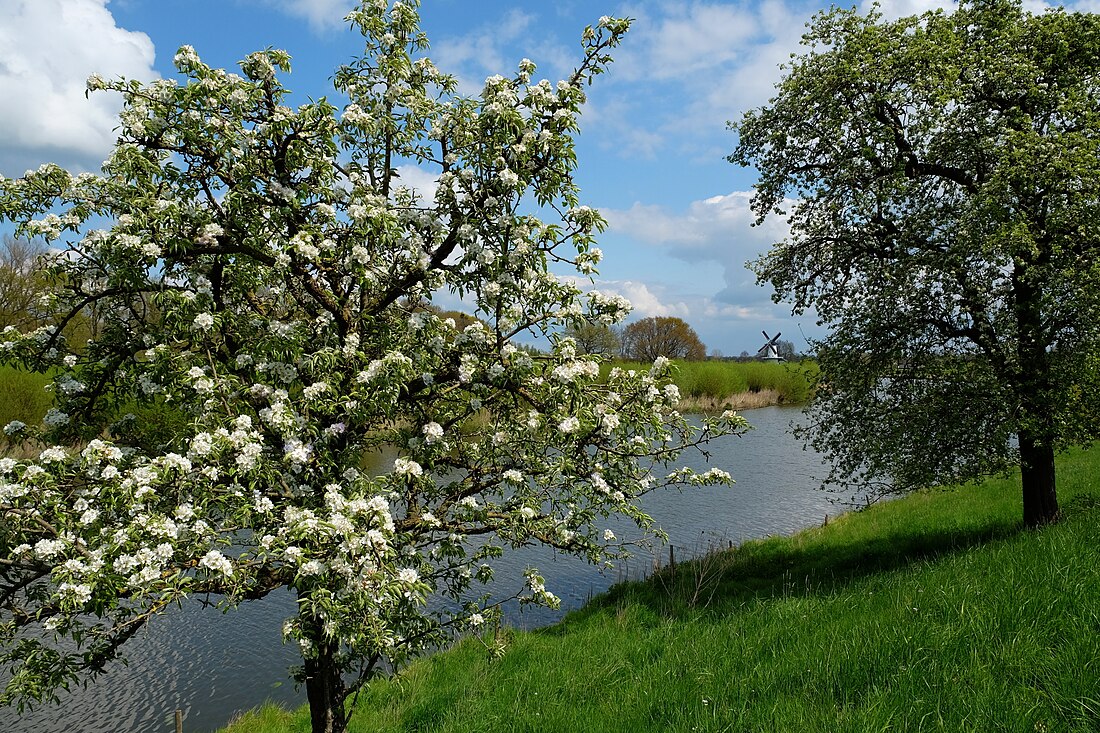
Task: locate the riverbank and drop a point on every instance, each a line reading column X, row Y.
column 716, row 385
column 934, row 611
column 737, row 401
column 213, row 665
column 705, row 386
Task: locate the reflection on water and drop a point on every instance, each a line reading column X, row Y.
column 212, row 665
column 198, row 660
column 775, row 493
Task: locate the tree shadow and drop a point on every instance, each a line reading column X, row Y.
column 723, row 580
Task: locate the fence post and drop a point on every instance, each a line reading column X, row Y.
column 179, row 721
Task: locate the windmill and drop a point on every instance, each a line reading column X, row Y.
column 770, row 350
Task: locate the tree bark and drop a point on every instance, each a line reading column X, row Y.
column 1034, row 387
column 1037, row 481
column 325, row 690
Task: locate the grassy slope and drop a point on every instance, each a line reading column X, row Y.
column 933, row 612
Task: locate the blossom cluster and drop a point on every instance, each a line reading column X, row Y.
column 271, row 290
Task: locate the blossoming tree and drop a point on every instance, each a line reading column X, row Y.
column 264, row 273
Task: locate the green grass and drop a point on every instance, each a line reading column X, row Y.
column 721, row 379
column 23, row 396
column 934, row 612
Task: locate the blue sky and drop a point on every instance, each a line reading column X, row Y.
column 653, row 135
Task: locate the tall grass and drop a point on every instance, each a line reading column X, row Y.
column 932, row 612
column 152, row 424
column 791, row 383
column 23, row 396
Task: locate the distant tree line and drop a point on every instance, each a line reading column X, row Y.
column 648, row 338
column 24, row 295
column 25, row 290
column 642, row 340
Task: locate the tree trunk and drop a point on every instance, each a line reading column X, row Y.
column 1037, row 480
column 1034, row 384
column 325, row 689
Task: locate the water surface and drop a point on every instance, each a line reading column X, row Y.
column 213, row 665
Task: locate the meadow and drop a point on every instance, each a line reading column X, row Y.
column 935, row 611
column 716, row 384
column 23, row 396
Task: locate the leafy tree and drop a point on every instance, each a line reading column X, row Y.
column 946, row 172
column 595, row 338
column 261, row 270
column 786, row 350
column 26, row 291
column 19, row 291
column 666, row 336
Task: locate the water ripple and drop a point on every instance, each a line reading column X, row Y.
column 213, row 665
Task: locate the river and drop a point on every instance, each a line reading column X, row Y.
column 212, row 665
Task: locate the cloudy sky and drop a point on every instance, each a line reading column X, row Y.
column 653, row 136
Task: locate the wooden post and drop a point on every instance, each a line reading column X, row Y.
column 671, row 557
column 179, row 721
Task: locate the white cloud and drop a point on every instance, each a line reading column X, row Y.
column 422, row 181
column 497, row 48
column 718, row 229
column 485, row 48
column 617, row 121
column 893, row 9
column 48, row 49
column 322, row 15
column 710, row 229
column 727, row 311
column 751, row 82
column 649, row 300
column 708, row 234
column 703, row 64
column 725, row 327
column 691, row 39
column 646, row 302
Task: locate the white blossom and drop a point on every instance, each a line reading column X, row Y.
column 54, row 454
column 55, row 418
column 48, row 549
column 433, row 432
column 312, row 567
column 203, row 322
column 407, row 467
column 218, row 563
column 78, row 593
column 569, row 425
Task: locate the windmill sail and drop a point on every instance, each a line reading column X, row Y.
column 770, row 350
